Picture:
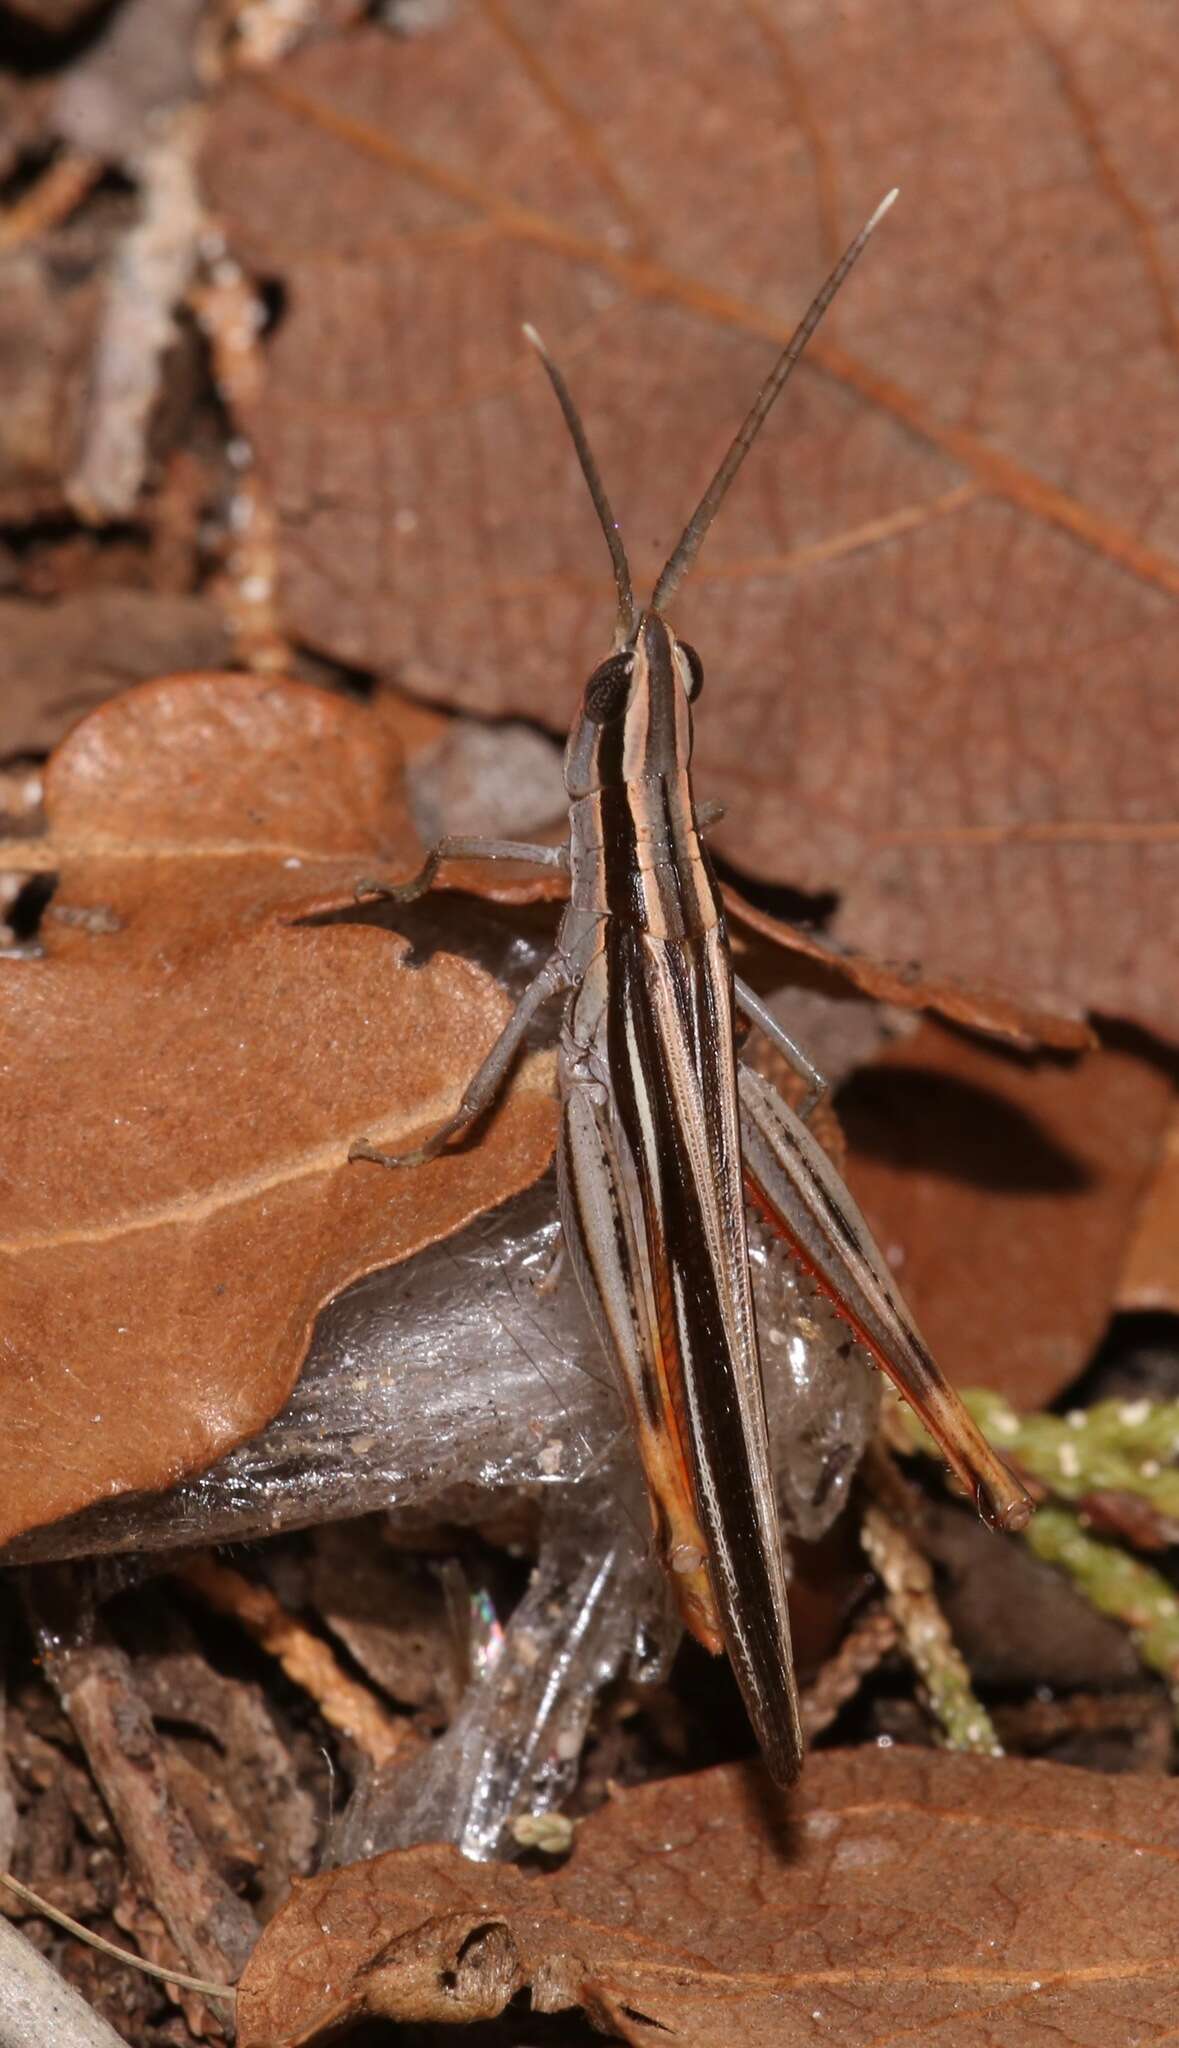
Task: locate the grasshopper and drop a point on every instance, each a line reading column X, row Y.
column 665, row 1132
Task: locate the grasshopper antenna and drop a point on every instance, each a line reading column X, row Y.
column 597, row 491
column 688, row 546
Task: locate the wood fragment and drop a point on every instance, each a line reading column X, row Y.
column 307, row 1660
column 59, row 189
column 862, row 1649
column 923, row 1630
column 110, row 1948
column 256, row 1766
column 231, row 315
column 150, row 274
column 213, row 1929
column 38, row 2009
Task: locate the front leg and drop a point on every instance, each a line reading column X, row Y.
column 486, row 1083
column 459, row 847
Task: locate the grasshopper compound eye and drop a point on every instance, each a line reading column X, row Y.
column 608, row 688
column 695, row 670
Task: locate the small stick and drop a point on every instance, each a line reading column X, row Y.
column 230, row 315
column 59, row 189
column 211, row 1926
column 110, row 1948
column 38, row 2009
column 307, row 1660
column 862, row 1649
column 925, row 1634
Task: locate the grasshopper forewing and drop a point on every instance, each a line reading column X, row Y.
column 664, row 1131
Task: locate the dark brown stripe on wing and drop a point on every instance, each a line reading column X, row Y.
column 705, row 1259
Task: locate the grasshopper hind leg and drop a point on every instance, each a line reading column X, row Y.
column 798, row 1190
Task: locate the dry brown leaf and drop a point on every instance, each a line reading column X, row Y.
column 981, row 1008
column 1150, row 1276
column 48, row 320
column 53, row 16
column 184, row 1072
column 1004, row 1193
column 896, row 1897
column 60, row 660
column 938, row 615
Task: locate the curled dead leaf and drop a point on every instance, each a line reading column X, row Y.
column 1004, row 1191
column 185, row 1074
column 975, row 1005
column 895, row 1895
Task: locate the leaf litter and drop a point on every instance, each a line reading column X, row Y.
column 883, row 1899
column 943, row 617
column 186, row 1073
column 938, row 615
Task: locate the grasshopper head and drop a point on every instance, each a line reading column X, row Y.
column 635, row 719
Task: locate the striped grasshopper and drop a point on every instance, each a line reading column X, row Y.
column 665, row 1132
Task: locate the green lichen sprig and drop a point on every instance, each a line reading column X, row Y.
column 1114, row 1447
column 1126, row 1449
column 1115, row 1583
column 925, row 1633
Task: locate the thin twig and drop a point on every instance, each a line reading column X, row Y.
column 110, row 1948
column 231, row 316
column 925, row 1633
column 212, row 1927
column 307, row 1660
column 38, row 2009
column 862, row 1649
column 58, row 190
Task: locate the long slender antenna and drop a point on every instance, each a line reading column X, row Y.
column 597, row 491
column 688, row 546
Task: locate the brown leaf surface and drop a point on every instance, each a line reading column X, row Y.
column 48, row 321
column 895, row 1898
column 60, row 660
column 980, row 1008
column 1150, row 1276
column 185, row 1070
column 1004, row 1192
column 939, row 612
